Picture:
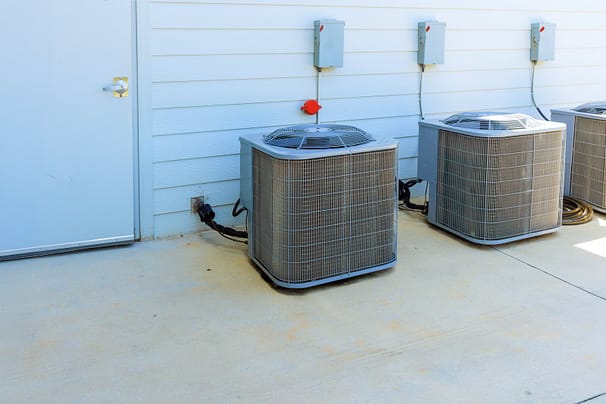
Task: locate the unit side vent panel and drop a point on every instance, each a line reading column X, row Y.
column 588, row 171
column 492, row 188
column 323, row 217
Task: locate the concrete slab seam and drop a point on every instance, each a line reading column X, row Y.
column 550, row 274
column 591, row 398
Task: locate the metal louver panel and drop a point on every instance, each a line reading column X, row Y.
column 588, row 170
column 491, row 188
column 323, row 217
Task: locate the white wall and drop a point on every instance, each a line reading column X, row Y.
column 220, row 70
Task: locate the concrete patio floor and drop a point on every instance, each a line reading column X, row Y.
column 189, row 319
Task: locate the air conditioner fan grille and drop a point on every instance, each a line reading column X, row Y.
column 318, row 137
column 597, row 108
column 500, row 121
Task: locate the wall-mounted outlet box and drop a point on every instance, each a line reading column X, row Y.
column 328, row 43
column 542, row 41
column 431, row 42
column 194, row 202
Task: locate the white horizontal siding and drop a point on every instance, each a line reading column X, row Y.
column 189, row 172
column 222, row 70
column 177, row 199
column 395, row 14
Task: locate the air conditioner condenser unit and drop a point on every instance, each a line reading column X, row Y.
column 322, row 203
column 493, row 177
column 585, row 172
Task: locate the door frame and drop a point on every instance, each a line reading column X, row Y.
column 135, row 121
column 142, row 122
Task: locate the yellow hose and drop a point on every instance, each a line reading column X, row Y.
column 576, row 211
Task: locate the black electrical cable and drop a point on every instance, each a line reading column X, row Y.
column 576, row 211
column 534, row 65
column 207, row 215
column 214, row 226
column 404, row 195
column 235, row 211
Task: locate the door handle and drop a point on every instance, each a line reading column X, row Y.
column 119, row 87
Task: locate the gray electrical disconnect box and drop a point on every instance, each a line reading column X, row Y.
column 542, row 41
column 431, row 42
column 328, row 43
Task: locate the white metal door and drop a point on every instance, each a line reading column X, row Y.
column 66, row 145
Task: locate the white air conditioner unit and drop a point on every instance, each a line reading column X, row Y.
column 585, row 173
column 322, row 203
column 493, row 177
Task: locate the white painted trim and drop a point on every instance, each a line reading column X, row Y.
column 135, row 121
column 62, row 247
column 145, row 145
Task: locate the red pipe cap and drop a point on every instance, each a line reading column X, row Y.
column 311, row 107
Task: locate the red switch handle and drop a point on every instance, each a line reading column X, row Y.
column 311, row 107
